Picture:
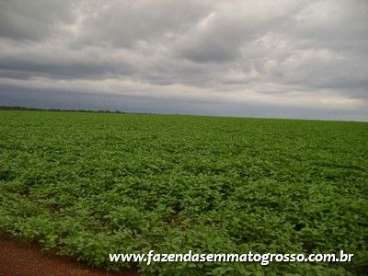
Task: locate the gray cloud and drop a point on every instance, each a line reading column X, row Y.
column 128, row 23
column 283, row 55
column 33, row 20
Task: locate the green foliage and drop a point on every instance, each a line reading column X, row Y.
column 90, row 184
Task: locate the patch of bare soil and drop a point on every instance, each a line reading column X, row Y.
column 27, row 259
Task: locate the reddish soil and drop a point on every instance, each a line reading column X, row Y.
column 26, row 259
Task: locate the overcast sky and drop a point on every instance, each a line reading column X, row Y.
column 280, row 58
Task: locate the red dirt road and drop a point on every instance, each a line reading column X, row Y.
column 27, row 259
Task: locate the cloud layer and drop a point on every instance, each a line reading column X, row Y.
column 294, row 58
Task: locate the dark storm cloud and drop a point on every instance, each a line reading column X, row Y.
column 284, row 55
column 55, row 61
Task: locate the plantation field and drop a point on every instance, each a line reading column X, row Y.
column 89, row 184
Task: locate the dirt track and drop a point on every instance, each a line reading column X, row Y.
column 27, row 259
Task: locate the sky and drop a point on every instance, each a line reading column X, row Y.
column 262, row 58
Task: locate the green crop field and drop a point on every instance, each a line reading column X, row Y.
column 89, row 184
